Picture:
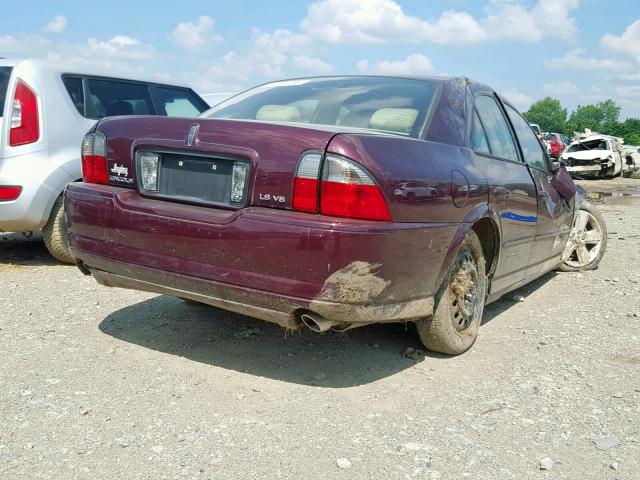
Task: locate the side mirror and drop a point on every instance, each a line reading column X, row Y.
column 557, row 165
column 562, row 182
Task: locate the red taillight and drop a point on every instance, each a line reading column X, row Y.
column 346, row 189
column 305, row 184
column 94, row 158
column 555, row 146
column 349, row 191
column 24, row 116
column 9, row 193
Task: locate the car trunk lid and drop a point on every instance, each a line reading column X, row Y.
column 199, row 159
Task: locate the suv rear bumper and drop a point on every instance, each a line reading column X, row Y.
column 267, row 263
column 41, row 182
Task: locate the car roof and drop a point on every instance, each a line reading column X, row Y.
column 74, row 68
column 430, row 78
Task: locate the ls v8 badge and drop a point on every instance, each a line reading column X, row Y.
column 121, row 174
column 267, row 197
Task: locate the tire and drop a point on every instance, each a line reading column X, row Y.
column 585, row 249
column 54, row 233
column 453, row 327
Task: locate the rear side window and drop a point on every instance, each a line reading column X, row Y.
column 112, row 97
column 496, row 129
column 479, row 139
column 76, row 92
column 177, row 102
column 531, row 147
column 5, row 74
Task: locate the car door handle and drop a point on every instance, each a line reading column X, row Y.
column 543, row 195
column 501, row 192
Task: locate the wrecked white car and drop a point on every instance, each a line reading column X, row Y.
column 600, row 156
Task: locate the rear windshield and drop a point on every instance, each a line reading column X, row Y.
column 5, row 73
column 393, row 105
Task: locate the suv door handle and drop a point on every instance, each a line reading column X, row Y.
column 543, row 194
column 501, row 191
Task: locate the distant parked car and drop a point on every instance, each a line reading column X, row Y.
column 598, row 156
column 45, row 111
column 416, row 191
column 555, row 144
column 289, row 203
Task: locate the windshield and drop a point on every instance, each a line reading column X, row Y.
column 5, row 73
column 393, row 105
column 588, row 145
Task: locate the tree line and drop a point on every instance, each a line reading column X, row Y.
column 603, row 117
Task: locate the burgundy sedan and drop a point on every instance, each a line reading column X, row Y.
column 290, row 203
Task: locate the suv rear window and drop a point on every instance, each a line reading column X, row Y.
column 5, row 74
column 112, row 97
column 76, row 92
column 176, row 102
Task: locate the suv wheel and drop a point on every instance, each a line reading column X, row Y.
column 55, row 233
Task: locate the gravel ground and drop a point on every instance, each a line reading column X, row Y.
column 109, row 383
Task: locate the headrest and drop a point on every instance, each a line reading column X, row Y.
column 278, row 113
column 399, row 120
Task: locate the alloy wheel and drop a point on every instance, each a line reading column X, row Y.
column 585, row 240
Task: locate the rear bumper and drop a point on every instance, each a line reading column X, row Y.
column 41, row 181
column 270, row 264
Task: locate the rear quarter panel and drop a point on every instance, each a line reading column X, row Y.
column 453, row 172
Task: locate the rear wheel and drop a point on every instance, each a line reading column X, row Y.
column 54, row 233
column 453, row 327
column 587, row 240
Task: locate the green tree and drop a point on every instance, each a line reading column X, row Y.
column 548, row 113
column 629, row 130
column 602, row 118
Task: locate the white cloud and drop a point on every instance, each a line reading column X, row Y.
column 120, row 47
column 57, row 25
column 312, row 65
column 629, row 77
column 521, row 100
column 415, row 64
column 561, row 88
column 195, row 36
column 378, row 21
column 547, row 19
column 270, row 55
column 628, row 43
column 22, row 45
column 630, row 91
column 575, row 60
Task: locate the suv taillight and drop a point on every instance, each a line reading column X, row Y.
column 346, row 189
column 94, row 158
column 24, row 116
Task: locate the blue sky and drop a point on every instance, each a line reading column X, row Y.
column 580, row 51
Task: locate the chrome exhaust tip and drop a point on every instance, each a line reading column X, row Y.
column 316, row 323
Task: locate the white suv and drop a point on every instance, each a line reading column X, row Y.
column 45, row 111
